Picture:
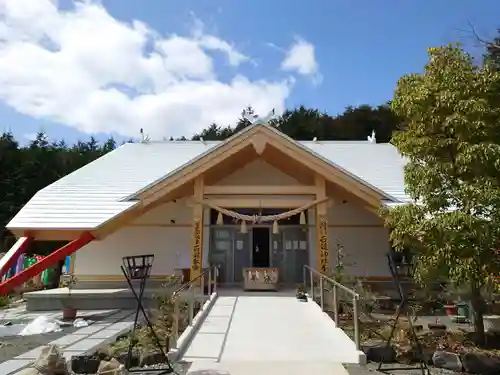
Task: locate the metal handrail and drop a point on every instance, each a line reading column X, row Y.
column 335, row 284
column 212, row 272
column 200, row 276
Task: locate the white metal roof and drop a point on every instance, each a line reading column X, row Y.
column 101, row 190
column 378, row 164
column 95, row 193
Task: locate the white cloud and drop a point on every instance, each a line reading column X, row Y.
column 301, row 58
column 79, row 67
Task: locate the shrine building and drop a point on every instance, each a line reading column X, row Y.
column 256, row 200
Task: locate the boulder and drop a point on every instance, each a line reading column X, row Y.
column 447, row 360
column 481, row 364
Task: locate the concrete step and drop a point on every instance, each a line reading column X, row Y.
column 295, row 367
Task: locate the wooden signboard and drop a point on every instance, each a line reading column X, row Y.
column 324, row 255
column 196, row 250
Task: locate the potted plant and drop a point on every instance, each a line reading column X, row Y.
column 301, row 293
column 69, row 312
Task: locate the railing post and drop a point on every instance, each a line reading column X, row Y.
column 191, row 305
column 304, row 276
column 215, row 278
column 311, row 280
column 335, row 305
column 321, row 297
column 209, row 288
column 355, row 303
column 202, row 280
column 175, row 323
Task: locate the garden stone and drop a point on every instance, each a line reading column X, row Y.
column 378, row 351
column 50, row 361
column 111, row 367
column 481, row 364
column 447, row 360
column 103, row 354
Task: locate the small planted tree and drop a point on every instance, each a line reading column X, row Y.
column 451, row 142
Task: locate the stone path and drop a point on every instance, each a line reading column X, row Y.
column 107, row 326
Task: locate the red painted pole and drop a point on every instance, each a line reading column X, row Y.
column 45, row 263
column 13, row 254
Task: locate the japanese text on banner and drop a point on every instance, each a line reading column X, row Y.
column 196, row 251
column 324, row 259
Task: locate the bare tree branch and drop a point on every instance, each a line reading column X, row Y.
column 481, row 40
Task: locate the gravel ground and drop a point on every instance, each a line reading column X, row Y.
column 180, row 368
column 12, row 346
column 371, row 369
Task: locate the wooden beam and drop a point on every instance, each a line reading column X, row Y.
column 56, row 234
column 198, row 229
column 259, row 203
column 322, row 251
column 199, row 167
column 115, row 224
column 240, row 142
column 260, row 190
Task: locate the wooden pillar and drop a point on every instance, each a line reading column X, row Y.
column 197, row 237
column 322, row 252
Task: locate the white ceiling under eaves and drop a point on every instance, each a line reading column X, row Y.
column 97, row 192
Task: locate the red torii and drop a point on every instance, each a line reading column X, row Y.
column 37, row 268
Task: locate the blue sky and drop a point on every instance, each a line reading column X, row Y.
column 62, row 75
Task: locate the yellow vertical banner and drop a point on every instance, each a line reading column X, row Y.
column 196, row 251
column 323, row 253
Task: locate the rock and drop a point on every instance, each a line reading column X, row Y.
column 481, row 364
column 50, row 361
column 379, row 352
column 111, row 367
column 447, row 360
column 103, row 354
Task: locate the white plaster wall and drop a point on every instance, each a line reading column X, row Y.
column 152, row 233
column 364, row 249
column 258, row 172
column 361, row 233
column 351, row 214
column 169, row 245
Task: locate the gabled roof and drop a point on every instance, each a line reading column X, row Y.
column 106, row 187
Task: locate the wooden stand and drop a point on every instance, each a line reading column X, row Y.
column 260, row 278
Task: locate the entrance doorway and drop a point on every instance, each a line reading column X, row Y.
column 260, row 247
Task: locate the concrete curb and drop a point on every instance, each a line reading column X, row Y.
column 189, row 333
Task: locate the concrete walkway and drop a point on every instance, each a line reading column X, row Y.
column 209, row 341
column 257, row 331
